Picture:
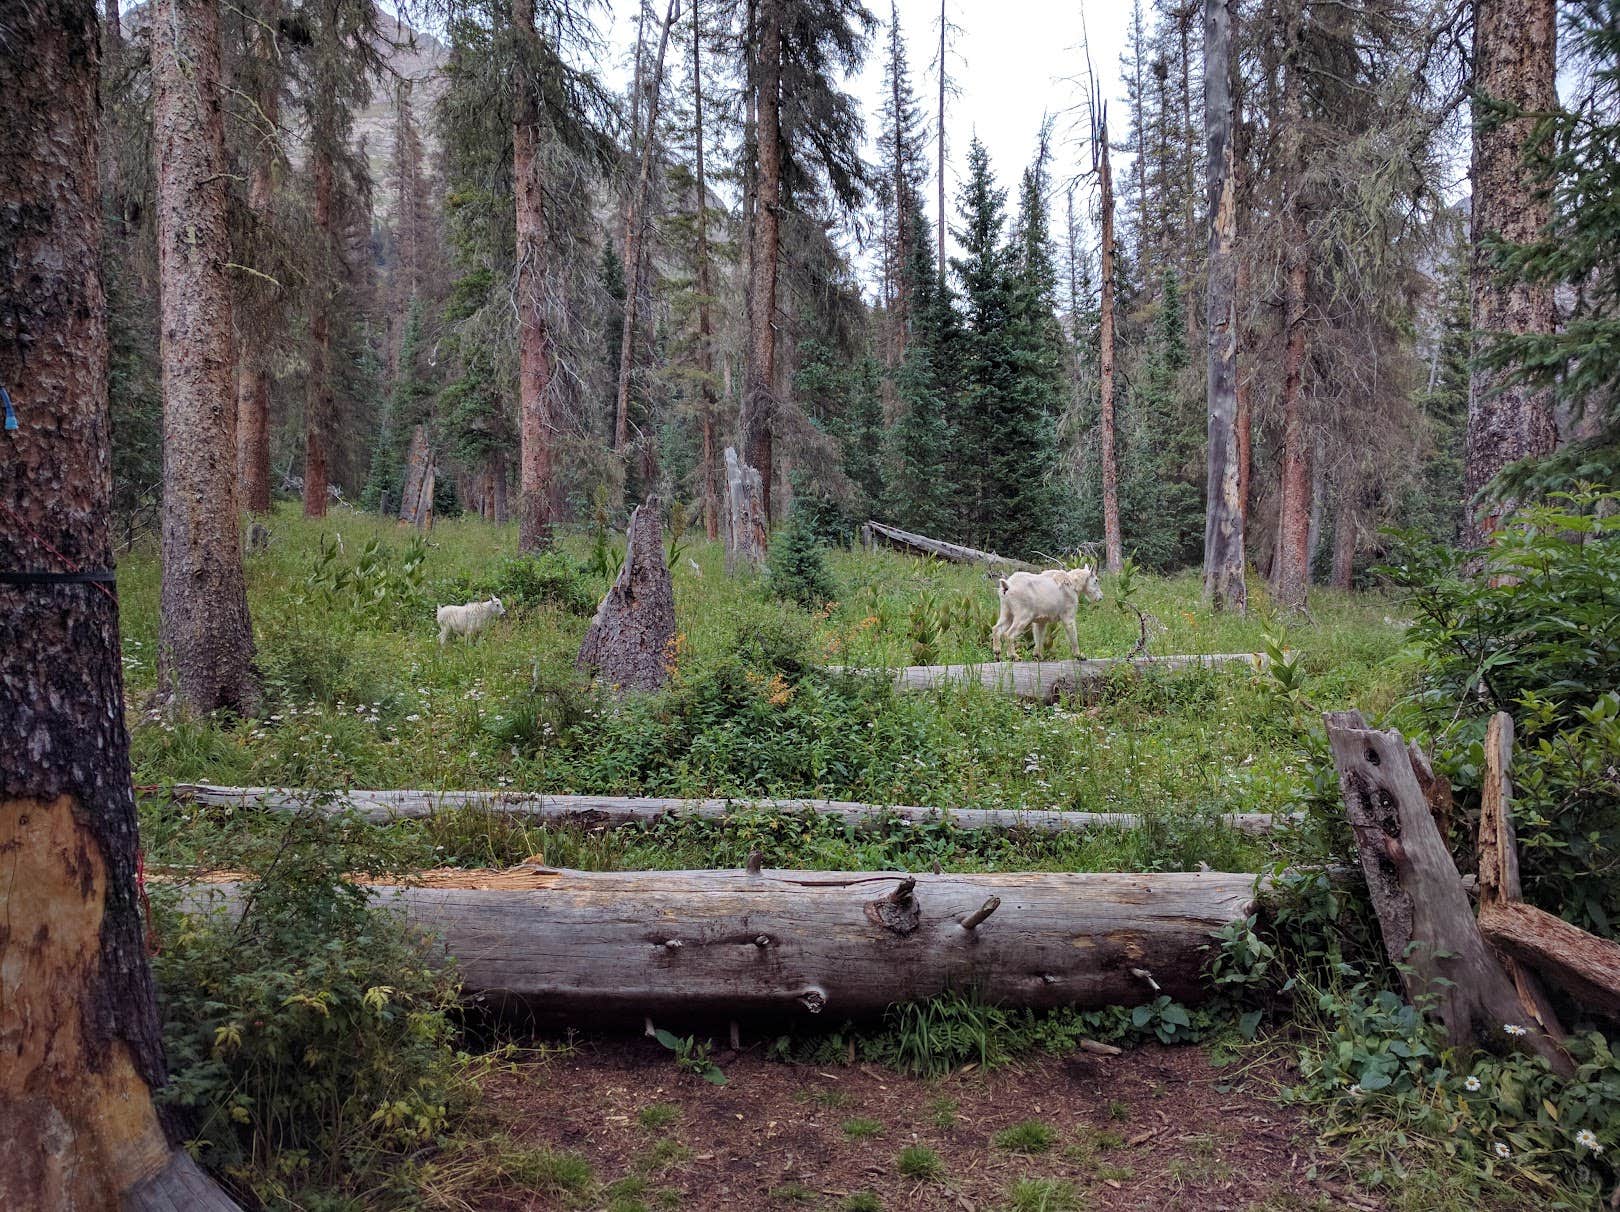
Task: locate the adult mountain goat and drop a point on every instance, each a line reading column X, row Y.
column 469, row 619
column 1037, row 600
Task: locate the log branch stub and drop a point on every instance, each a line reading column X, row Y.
column 898, row 911
column 1583, row 965
column 975, row 919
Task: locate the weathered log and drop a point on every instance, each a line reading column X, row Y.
column 746, row 535
column 1583, row 965
column 1047, row 681
column 383, row 806
column 1423, row 912
column 1498, row 881
column 629, row 642
column 416, row 501
column 954, row 552
column 730, row 944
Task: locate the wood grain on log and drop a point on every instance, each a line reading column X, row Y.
column 1046, row 681
column 731, row 944
column 384, row 806
column 1583, row 965
column 1427, row 924
column 954, row 552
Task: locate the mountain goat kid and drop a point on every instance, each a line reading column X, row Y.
column 469, row 619
column 1037, row 600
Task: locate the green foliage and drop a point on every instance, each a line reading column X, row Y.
column 691, row 1056
column 861, row 1128
column 379, row 582
column 798, row 571
column 1534, row 632
column 1029, row 1136
column 920, row 1162
column 935, row 1037
column 549, row 578
column 862, row 1201
column 1043, row 1195
column 309, row 1042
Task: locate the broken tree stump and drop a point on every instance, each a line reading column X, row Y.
column 746, row 535
column 599, row 946
column 1428, row 926
column 1583, row 965
column 630, row 641
column 956, row 553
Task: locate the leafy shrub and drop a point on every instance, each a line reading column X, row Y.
column 309, row 1041
column 379, row 583
column 797, row 569
column 307, row 660
column 550, row 578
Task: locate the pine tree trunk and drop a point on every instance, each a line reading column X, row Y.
column 319, row 396
column 635, row 224
column 759, row 402
column 1240, row 389
column 253, row 369
column 498, row 505
column 535, row 422
column 705, row 286
column 205, row 641
column 1515, row 45
column 1223, row 519
column 939, row 134
column 1344, row 536
column 79, row 1027
column 1291, row 572
column 416, row 495
column 1113, row 547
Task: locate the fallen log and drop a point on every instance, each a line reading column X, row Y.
column 1423, row 913
column 1583, row 965
column 1047, row 681
column 734, row 944
column 384, row 806
column 954, row 552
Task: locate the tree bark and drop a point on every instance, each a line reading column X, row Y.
column 1223, row 519
column 615, row 810
column 708, row 467
column 1428, row 927
column 205, row 641
column 939, row 135
column 745, row 531
column 416, row 498
column 759, row 396
column 956, row 553
column 635, row 225
column 1583, row 965
column 623, row 945
column 1113, row 547
column 536, row 425
column 253, row 376
column 630, row 642
column 1345, row 530
column 1515, row 63
column 79, row 1027
column 319, row 399
column 1243, row 418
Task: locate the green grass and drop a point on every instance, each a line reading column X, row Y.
column 658, row 1115
column 359, row 694
column 1043, row 1195
column 919, row 1161
column 860, row 1128
column 1030, row 1136
column 862, row 1201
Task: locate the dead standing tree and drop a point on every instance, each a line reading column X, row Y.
column 630, row 641
column 745, row 533
column 421, row 471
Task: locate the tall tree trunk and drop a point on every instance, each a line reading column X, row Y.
column 1291, row 572
column 319, row 396
column 79, row 1027
column 1189, row 172
column 635, row 225
column 939, row 136
column 535, row 422
column 1223, row 517
column 705, row 350
column 759, row 403
column 1344, row 533
column 253, row 375
column 1113, row 548
column 205, row 644
column 1515, row 45
column 1313, row 531
column 1240, row 389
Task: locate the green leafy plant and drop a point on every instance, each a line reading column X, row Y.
column 691, row 1056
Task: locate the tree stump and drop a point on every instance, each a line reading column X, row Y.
column 629, row 641
column 416, row 503
column 745, row 534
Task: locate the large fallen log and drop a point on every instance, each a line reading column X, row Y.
column 921, row 544
column 1046, row 681
column 735, row 944
column 384, row 806
column 1583, row 965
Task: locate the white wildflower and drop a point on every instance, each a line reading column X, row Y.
column 1587, row 1139
column 1514, row 1029
column 1502, row 1150
column 1471, row 1083
column 1356, row 1091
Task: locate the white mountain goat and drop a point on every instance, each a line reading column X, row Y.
column 1037, row 600
column 469, row 619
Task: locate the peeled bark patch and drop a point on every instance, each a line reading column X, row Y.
column 746, row 536
column 629, row 641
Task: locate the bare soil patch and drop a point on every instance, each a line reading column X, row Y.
column 1155, row 1127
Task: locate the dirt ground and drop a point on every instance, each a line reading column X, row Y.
column 1156, row 1127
